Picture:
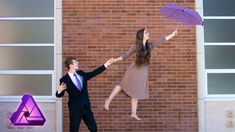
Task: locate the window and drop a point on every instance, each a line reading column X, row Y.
column 219, row 46
column 27, row 47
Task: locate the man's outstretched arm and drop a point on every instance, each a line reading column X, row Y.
column 100, row 69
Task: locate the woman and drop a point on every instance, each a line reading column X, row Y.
column 135, row 80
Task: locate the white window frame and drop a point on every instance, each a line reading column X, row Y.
column 203, row 95
column 206, row 71
column 51, row 97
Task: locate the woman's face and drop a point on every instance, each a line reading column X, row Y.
column 146, row 35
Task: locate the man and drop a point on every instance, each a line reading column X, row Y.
column 75, row 83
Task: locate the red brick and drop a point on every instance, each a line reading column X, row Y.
column 96, row 30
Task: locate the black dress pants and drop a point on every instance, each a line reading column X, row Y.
column 77, row 114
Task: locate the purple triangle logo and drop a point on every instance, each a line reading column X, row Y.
column 28, row 113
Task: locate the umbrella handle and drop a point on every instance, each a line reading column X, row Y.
column 177, row 26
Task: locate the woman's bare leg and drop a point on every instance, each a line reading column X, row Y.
column 134, row 103
column 115, row 91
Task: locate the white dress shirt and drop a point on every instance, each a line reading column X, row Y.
column 71, row 75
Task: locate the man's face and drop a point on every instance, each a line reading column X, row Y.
column 74, row 65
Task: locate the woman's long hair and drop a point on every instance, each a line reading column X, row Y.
column 143, row 53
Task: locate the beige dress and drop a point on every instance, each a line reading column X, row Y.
column 135, row 81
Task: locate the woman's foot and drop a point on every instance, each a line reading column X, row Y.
column 136, row 117
column 106, row 104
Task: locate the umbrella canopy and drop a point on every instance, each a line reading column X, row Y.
column 181, row 14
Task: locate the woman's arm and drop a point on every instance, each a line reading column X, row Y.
column 131, row 50
column 162, row 39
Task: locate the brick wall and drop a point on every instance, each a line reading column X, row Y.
column 96, row 30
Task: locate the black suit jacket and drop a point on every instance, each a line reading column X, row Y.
column 77, row 98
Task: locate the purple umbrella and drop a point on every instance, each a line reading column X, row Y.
column 181, row 14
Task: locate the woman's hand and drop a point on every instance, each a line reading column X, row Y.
column 173, row 34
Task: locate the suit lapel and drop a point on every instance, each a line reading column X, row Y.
column 71, row 82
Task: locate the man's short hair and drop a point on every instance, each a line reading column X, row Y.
column 69, row 61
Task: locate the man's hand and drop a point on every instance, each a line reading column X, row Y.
column 109, row 62
column 119, row 59
column 61, row 87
